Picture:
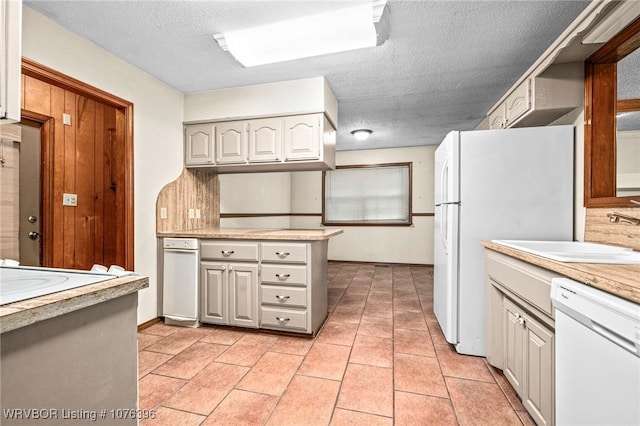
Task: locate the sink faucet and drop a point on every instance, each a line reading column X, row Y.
column 618, row 217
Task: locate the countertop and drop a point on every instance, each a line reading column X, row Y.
column 620, row 280
column 25, row 312
column 257, row 233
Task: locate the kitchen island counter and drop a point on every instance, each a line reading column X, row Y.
column 619, row 280
column 283, row 234
column 71, row 351
column 26, row 312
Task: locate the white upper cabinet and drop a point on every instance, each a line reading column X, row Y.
column 198, row 144
column 288, row 143
column 231, row 142
column 10, row 60
column 265, row 140
column 302, row 137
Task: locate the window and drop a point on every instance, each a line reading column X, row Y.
column 371, row 195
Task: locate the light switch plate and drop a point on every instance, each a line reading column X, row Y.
column 163, row 212
column 70, row 200
column 66, row 119
column 198, row 214
column 192, row 214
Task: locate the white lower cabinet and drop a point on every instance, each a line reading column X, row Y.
column 293, row 286
column 272, row 285
column 230, row 294
column 229, row 287
column 520, row 331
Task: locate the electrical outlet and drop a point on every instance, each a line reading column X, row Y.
column 163, row 212
column 70, row 200
column 198, row 214
column 192, row 214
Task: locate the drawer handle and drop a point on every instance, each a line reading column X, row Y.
column 227, row 252
column 283, row 277
column 283, row 320
column 282, row 298
column 283, row 253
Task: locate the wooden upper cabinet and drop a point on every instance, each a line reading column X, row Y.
column 265, row 140
column 231, row 142
column 302, row 136
column 198, row 144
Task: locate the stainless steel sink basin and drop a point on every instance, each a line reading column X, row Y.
column 576, row 251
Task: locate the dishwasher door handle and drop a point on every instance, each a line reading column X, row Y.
column 614, row 337
column 181, row 250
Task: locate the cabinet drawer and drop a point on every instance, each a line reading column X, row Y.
column 284, row 296
column 284, row 274
column 287, row 252
column 284, row 318
column 229, row 250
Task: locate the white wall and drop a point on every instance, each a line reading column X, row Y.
column 395, row 244
column 256, row 193
column 158, row 111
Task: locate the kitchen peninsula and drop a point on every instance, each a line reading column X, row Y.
column 262, row 278
column 72, row 350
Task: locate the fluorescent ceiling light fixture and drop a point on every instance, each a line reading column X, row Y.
column 361, row 134
column 364, row 25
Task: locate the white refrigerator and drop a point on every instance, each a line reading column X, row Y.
column 494, row 184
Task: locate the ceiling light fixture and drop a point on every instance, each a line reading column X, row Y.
column 361, row 134
column 365, row 25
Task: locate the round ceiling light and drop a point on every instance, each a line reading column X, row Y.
column 361, row 134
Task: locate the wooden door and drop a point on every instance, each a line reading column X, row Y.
column 88, row 153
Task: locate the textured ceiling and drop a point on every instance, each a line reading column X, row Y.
column 444, row 65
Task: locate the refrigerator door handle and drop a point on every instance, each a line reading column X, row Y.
column 443, row 227
column 444, row 175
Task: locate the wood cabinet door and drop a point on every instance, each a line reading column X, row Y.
column 243, row 301
column 214, row 293
column 302, row 136
column 538, row 397
column 198, row 144
column 265, row 140
column 231, row 142
column 513, row 344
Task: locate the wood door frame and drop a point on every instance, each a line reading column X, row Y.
column 55, row 78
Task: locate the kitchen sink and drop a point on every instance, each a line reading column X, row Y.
column 576, row 251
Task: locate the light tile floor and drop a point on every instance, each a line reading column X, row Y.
column 380, row 359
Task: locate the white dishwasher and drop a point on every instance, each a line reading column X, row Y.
column 597, row 356
column 180, row 281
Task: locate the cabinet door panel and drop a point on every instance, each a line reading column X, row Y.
column 244, row 295
column 302, row 137
column 265, row 140
column 214, row 293
column 518, row 102
column 539, row 354
column 231, row 141
column 513, row 336
column 198, row 140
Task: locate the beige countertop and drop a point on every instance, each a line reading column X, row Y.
column 620, row 280
column 25, row 312
column 256, row 233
